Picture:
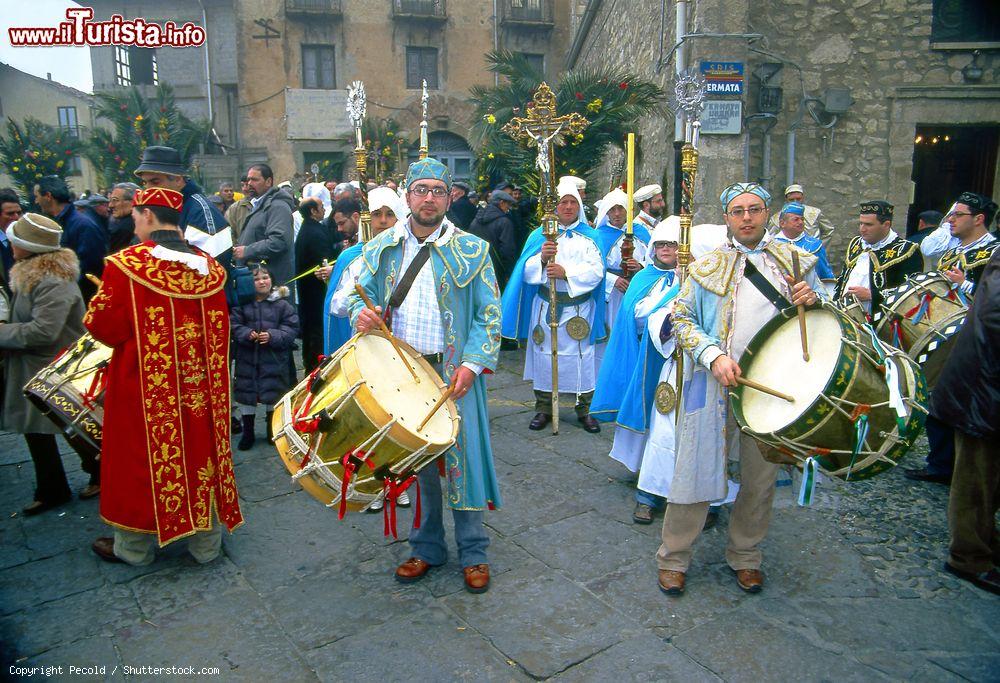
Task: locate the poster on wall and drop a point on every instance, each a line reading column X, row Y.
column 722, row 117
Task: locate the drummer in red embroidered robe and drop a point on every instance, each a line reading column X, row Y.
column 166, row 464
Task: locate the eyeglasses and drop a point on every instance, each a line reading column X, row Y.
column 753, row 211
column 423, row 191
column 960, row 213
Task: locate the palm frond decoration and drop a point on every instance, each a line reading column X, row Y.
column 35, row 149
column 613, row 100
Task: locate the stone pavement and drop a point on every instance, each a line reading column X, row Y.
column 855, row 588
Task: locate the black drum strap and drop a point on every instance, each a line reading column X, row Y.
column 405, row 282
column 765, row 287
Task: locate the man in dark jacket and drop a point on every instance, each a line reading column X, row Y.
column 967, row 397
column 462, row 211
column 313, row 245
column 494, row 225
column 267, row 232
column 121, row 226
column 80, row 234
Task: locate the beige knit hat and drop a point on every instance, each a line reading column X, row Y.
column 35, row 233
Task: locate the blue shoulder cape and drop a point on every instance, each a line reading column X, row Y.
column 337, row 330
column 607, row 235
column 625, row 386
column 517, row 297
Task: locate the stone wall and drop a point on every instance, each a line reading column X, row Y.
column 878, row 49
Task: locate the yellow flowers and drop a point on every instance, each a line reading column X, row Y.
column 60, row 163
column 138, row 117
column 490, row 119
column 15, row 169
column 491, row 156
column 595, row 105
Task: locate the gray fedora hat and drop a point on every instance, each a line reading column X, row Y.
column 158, row 159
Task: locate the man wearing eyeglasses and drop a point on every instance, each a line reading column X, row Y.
column 437, row 287
column 729, row 294
column 877, row 259
column 970, row 249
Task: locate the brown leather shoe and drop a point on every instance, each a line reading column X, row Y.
column 104, row 548
column 750, row 580
column 412, row 570
column 90, row 491
column 477, row 578
column 590, row 424
column 671, row 582
column 539, row 421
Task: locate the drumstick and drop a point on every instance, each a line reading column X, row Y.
column 437, row 404
column 801, row 309
column 381, row 323
column 763, row 389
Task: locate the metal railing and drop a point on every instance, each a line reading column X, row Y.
column 528, row 12
column 313, row 7
column 425, row 9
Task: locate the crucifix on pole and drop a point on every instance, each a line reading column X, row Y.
column 543, row 128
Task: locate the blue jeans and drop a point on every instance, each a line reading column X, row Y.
column 651, row 499
column 428, row 541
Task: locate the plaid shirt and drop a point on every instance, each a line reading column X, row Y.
column 417, row 321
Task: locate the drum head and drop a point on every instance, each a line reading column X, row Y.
column 396, row 392
column 774, row 359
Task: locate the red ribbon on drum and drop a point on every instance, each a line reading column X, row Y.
column 392, row 490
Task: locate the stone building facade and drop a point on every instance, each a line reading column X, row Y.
column 24, row 96
column 921, row 111
column 297, row 57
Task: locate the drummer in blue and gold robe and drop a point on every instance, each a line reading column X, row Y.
column 451, row 315
column 723, row 303
column 877, row 259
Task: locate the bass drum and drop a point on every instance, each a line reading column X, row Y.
column 921, row 317
column 70, row 392
column 858, row 407
column 351, row 433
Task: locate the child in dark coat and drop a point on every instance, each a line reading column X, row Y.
column 264, row 333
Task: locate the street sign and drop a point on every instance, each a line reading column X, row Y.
column 722, row 117
column 723, row 78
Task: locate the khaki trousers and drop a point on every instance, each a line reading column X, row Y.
column 748, row 522
column 140, row 549
column 973, row 504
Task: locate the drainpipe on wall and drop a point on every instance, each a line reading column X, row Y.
column 680, row 64
column 766, row 154
column 581, row 34
column 496, row 41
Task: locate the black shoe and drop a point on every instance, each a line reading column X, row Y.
column 234, row 425
column 923, row 474
column 988, row 581
column 643, row 514
column 589, row 424
column 539, row 421
column 247, row 438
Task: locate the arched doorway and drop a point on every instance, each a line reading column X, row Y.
column 452, row 151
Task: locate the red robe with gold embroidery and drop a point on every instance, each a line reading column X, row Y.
column 166, row 458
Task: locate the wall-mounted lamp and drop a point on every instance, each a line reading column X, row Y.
column 972, row 72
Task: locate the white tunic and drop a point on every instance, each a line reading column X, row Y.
column 653, row 454
column 860, row 275
column 584, row 271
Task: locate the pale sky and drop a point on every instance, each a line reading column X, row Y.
column 68, row 65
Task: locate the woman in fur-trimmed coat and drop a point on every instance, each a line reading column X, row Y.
column 46, row 316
